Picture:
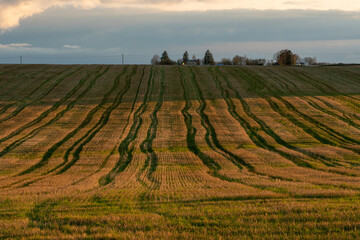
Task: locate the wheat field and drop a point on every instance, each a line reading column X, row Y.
column 179, row 152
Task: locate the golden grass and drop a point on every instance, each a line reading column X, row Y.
column 141, row 152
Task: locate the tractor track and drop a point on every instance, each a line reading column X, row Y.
column 90, row 134
column 124, row 149
column 44, row 94
column 334, row 138
column 84, row 123
column 60, row 114
column 106, row 159
column 261, row 142
column 146, row 145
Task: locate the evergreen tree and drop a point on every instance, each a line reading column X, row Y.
column 208, row 58
column 185, row 57
column 164, row 58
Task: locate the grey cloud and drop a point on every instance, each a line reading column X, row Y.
column 11, row 12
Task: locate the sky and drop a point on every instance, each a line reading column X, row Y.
column 101, row 31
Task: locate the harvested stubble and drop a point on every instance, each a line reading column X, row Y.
column 179, row 152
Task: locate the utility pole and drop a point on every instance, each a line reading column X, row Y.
column 122, row 59
column 20, row 59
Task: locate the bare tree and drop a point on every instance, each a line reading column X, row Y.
column 239, row 60
column 296, row 59
column 310, row 60
column 155, row 60
column 226, row 61
column 257, row 62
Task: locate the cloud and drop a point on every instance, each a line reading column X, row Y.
column 15, row 45
column 12, row 11
column 71, row 46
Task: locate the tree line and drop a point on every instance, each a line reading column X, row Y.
column 283, row 57
column 185, row 60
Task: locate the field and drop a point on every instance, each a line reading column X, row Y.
column 178, row 152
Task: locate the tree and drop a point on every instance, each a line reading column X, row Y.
column 208, row 58
column 296, row 59
column 239, row 60
column 310, row 61
column 226, row 61
column 258, row 62
column 165, row 60
column 155, row 60
column 185, row 57
column 286, row 57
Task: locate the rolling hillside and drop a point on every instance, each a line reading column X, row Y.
column 97, row 151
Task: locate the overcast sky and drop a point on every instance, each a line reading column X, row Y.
column 100, row 31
